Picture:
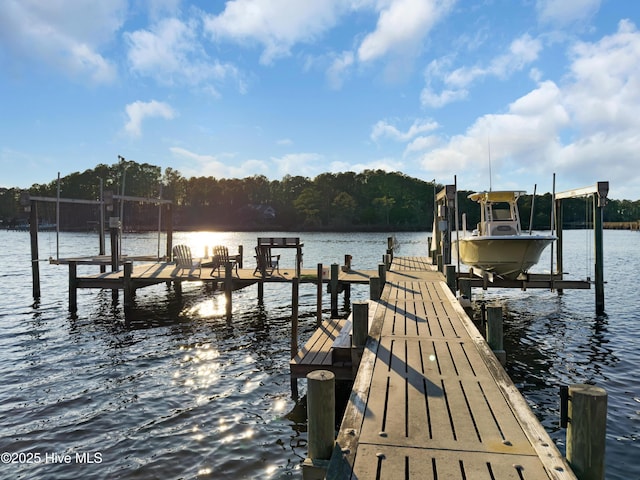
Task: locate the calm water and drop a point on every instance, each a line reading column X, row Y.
column 178, row 393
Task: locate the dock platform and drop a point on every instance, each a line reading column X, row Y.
column 430, row 399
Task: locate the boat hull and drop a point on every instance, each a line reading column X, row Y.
column 506, row 256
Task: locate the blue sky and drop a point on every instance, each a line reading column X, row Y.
column 430, row 88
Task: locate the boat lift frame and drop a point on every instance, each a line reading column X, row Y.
column 446, row 210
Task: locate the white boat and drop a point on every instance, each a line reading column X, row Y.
column 497, row 245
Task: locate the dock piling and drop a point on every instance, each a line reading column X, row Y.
column 129, row 290
column 295, row 296
column 374, row 288
column 586, row 431
column 73, row 287
column 360, row 332
column 450, row 274
column 228, row 288
column 319, row 273
column 333, row 286
column 321, row 423
column 382, row 273
column 33, row 233
column 494, row 332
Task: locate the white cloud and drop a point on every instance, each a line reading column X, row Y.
column 585, row 130
column 402, row 26
column 521, row 52
column 65, row 34
column 277, row 25
column 305, row 164
column 384, row 129
column 138, row 111
column 171, row 53
column 223, row 165
column 339, row 69
column 563, row 12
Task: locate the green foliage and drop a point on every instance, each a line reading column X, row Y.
column 372, row 199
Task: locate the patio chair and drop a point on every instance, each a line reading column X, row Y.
column 183, row 259
column 221, row 258
column 266, row 262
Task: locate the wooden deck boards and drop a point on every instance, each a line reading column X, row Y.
column 431, row 401
column 164, row 271
column 317, row 353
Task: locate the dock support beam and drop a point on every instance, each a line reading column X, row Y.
column 321, row 410
column 587, row 413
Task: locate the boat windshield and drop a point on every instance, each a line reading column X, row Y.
column 501, row 211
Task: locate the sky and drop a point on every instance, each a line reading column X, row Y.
column 499, row 94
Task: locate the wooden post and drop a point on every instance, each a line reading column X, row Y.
column 240, row 256
column 586, row 431
column 321, row 423
column 228, row 288
column 464, row 285
column 128, row 286
column 319, row 296
column 390, row 247
column 260, row 290
column 450, row 272
column 386, row 259
column 382, row 273
column 347, row 263
column 374, row 288
column 494, row 332
column 333, row 285
column 33, row 233
column 360, row 322
column 114, row 235
column 73, row 287
column 169, row 221
column 598, row 204
column 295, row 298
column 440, row 263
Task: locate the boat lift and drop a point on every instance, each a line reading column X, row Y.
column 440, row 248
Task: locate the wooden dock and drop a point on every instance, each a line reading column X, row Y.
column 430, row 399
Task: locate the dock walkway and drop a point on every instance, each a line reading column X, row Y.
column 430, row 399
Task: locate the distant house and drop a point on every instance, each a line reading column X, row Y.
column 257, row 213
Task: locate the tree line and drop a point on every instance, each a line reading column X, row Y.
column 369, row 200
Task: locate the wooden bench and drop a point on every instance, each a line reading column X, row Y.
column 319, row 352
column 265, row 244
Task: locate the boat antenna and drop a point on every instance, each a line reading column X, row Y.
column 533, row 203
column 489, row 148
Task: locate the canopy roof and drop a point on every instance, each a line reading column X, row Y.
column 499, row 196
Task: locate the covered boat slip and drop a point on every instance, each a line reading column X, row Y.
column 430, row 399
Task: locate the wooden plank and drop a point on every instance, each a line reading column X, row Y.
column 431, row 397
column 390, row 462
